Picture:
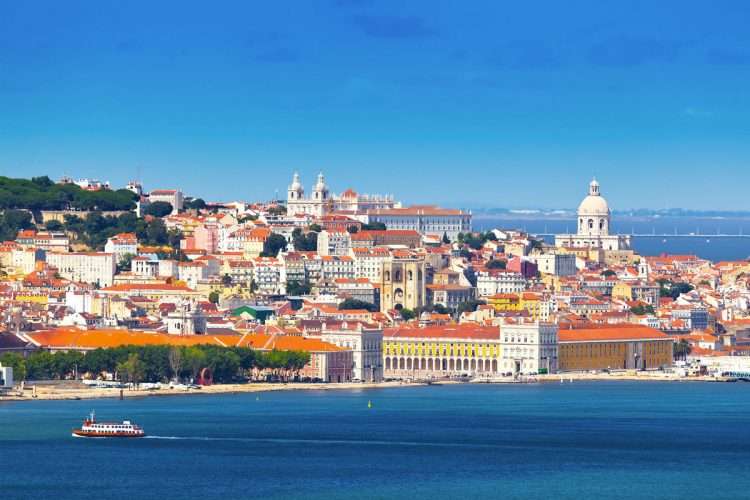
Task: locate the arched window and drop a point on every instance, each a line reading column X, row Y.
column 601, row 224
column 397, row 276
column 591, row 223
column 410, row 275
column 388, row 276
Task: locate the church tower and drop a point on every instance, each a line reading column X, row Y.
column 295, row 192
column 320, row 192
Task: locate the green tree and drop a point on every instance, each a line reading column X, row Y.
column 125, row 263
column 374, row 226
column 54, row 225
column 407, row 314
column 297, row 288
column 470, row 306
column 608, row 273
column 213, row 297
column 132, row 369
column 273, row 245
column 195, row 204
column 446, row 240
column 15, row 361
column 277, row 210
column 681, row 349
column 350, row 304
column 496, row 264
column 158, row 209
column 315, row 228
column 304, row 242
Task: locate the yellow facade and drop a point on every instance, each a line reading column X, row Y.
column 532, row 304
column 622, row 291
column 33, row 298
column 438, row 357
column 614, row 355
column 505, row 302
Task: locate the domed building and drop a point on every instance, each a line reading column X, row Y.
column 593, row 225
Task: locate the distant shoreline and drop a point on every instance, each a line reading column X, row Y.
column 51, row 393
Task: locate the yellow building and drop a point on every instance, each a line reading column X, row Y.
column 439, row 351
column 614, row 347
column 536, row 304
column 504, row 302
column 171, row 292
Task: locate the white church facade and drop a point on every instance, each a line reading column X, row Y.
column 594, row 218
column 321, row 202
column 318, row 204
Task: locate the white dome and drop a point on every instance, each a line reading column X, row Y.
column 321, row 184
column 593, row 205
column 296, row 184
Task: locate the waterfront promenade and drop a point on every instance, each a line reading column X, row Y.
column 78, row 391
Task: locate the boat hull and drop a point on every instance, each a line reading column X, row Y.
column 89, row 434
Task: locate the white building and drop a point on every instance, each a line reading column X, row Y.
column 368, row 262
column 333, row 267
column 6, row 377
column 53, row 241
column 24, row 260
column 593, row 225
column 267, row 273
column 351, row 201
column 172, row 196
column 334, row 243
column 192, row 272
column 528, row 348
column 426, row 219
column 318, row 204
column 494, row 281
column 97, row 268
column 143, row 266
column 122, row 244
column 186, row 319
column 366, row 344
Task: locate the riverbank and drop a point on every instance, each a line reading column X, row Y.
column 74, row 391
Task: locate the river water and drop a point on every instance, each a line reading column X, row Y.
column 572, row 440
column 706, row 244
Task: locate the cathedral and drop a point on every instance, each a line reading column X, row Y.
column 593, row 225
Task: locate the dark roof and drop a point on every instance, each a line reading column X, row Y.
column 9, row 341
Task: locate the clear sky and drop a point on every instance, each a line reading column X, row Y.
column 507, row 104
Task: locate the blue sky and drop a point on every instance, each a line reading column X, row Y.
column 509, row 104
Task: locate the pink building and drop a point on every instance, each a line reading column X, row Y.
column 522, row 266
column 206, row 237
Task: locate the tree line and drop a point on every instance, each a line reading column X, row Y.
column 40, row 193
column 158, row 363
column 94, row 230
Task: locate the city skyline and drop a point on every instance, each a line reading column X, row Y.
column 502, row 107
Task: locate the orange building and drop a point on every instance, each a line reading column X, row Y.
column 328, row 362
column 614, row 347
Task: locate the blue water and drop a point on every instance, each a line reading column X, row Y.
column 579, row 440
column 709, row 246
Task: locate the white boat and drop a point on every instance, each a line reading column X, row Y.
column 93, row 429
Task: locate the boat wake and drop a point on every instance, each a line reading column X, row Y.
column 431, row 444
